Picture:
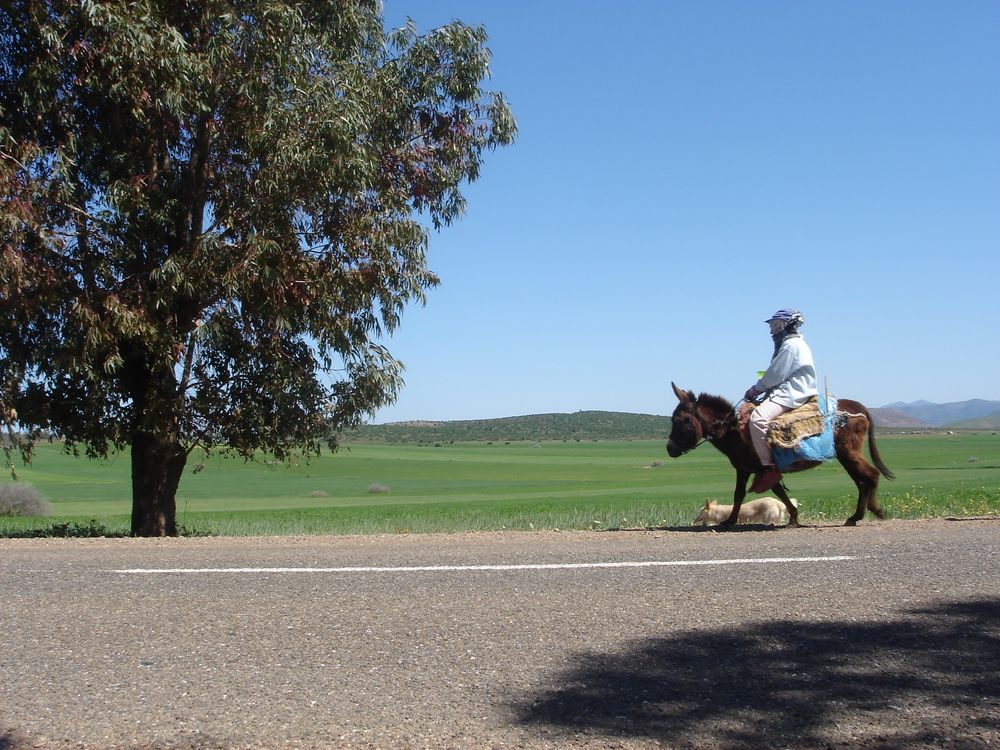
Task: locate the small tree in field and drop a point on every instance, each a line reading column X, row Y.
column 210, row 212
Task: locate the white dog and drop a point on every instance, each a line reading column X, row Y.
column 769, row 510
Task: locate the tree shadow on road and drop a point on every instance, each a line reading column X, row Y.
column 929, row 678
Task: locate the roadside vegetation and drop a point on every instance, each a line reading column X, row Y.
column 22, row 499
column 372, row 488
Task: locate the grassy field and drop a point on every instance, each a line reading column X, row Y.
column 375, row 488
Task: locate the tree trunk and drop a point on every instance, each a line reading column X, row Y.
column 157, row 465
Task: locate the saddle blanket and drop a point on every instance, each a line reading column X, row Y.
column 789, row 428
column 815, row 443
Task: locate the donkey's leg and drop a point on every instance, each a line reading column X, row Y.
column 740, row 492
column 793, row 512
column 873, row 505
column 865, row 476
column 859, row 512
column 849, row 441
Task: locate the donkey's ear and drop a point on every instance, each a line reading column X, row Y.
column 682, row 396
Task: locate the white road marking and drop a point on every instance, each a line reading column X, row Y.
column 472, row 568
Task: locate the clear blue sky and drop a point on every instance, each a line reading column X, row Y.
column 682, row 170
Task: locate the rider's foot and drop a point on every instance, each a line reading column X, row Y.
column 766, row 478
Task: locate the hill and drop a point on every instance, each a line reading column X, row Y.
column 947, row 415
column 581, row 425
column 609, row 425
column 895, row 418
column 988, row 422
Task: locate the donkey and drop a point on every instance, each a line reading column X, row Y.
column 714, row 419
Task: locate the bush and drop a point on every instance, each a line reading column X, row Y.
column 22, row 499
column 90, row 530
column 378, row 489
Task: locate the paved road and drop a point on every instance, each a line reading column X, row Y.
column 884, row 635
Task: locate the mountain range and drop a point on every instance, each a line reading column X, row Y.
column 975, row 413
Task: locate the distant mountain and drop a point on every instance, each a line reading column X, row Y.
column 989, row 422
column 946, row 415
column 581, row 425
column 895, row 418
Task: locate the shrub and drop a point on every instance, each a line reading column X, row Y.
column 22, row 499
column 378, row 489
column 90, row 530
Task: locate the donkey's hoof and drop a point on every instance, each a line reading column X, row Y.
column 850, row 522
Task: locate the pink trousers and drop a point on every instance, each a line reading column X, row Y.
column 759, row 421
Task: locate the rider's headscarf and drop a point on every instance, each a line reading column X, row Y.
column 793, row 320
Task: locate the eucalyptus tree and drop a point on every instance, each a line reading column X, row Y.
column 212, row 212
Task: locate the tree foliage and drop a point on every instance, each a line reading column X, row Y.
column 211, row 212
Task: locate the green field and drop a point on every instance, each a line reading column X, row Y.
column 374, row 488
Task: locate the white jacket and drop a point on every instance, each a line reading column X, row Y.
column 790, row 379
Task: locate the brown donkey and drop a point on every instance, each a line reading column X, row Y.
column 714, row 419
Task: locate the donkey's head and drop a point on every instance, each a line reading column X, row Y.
column 685, row 429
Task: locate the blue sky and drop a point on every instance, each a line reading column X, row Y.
column 682, row 170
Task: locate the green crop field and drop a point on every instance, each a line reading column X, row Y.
column 400, row 488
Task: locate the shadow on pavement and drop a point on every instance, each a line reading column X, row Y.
column 929, row 678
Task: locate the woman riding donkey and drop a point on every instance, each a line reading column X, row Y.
column 789, row 382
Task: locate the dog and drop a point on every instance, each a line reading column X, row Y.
column 767, row 510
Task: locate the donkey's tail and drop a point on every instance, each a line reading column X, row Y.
column 873, row 449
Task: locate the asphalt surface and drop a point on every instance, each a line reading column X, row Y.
column 885, row 635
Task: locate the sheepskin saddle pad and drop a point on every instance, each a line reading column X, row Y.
column 791, row 427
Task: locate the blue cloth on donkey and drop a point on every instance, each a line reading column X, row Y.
column 810, row 450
